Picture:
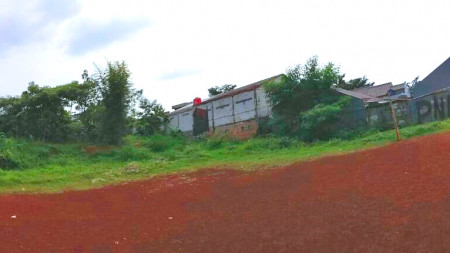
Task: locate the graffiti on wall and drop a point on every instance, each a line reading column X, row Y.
column 434, row 108
column 381, row 115
column 416, row 111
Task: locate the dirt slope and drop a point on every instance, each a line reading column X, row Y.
column 390, row 199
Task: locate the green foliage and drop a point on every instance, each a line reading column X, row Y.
column 47, row 114
column 175, row 132
column 215, row 142
column 304, row 102
column 132, row 167
column 158, row 144
column 354, row 83
column 39, row 113
column 151, row 119
column 319, row 122
column 117, row 97
column 86, row 120
column 99, row 110
column 55, row 167
column 270, row 143
column 301, row 89
column 130, row 153
column 216, row 90
column 6, row 162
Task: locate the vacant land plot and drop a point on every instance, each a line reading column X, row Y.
column 49, row 167
column 390, row 199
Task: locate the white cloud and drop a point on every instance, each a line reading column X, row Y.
column 89, row 35
column 193, row 45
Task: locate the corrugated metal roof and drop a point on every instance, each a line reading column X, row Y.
column 364, row 97
column 242, row 89
column 178, row 106
column 231, row 93
column 398, row 87
column 374, row 91
column 185, row 108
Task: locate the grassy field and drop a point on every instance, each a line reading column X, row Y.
column 43, row 167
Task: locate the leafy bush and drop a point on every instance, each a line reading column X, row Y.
column 285, row 142
column 270, row 143
column 161, row 143
column 151, row 118
column 128, row 153
column 6, row 162
column 215, row 142
column 318, row 123
column 175, row 132
column 299, row 90
column 158, row 145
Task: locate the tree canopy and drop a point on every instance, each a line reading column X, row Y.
column 300, row 89
column 100, row 109
column 354, row 83
column 216, row 90
column 304, row 102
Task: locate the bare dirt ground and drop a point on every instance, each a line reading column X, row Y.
column 390, row 199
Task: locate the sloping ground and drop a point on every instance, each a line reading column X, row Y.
column 390, row 199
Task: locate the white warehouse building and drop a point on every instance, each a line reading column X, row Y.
column 235, row 113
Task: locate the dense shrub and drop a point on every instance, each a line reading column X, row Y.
column 131, row 153
column 161, row 143
column 318, row 123
column 304, row 101
column 215, row 142
column 6, row 162
column 158, row 145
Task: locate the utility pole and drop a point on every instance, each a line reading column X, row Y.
column 394, row 116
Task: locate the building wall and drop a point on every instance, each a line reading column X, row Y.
column 263, row 106
column 173, row 121
column 186, row 121
column 380, row 116
column 223, row 111
column 429, row 108
column 236, row 115
column 353, row 115
column 240, row 131
column 244, row 106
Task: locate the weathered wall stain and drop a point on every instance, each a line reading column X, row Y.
column 416, row 111
column 432, row 108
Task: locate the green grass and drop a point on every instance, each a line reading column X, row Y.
column 43, row 167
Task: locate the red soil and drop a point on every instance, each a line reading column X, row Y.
column 390, row 199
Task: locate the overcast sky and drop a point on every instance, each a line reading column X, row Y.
column 176, row 50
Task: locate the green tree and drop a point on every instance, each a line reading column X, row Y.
column 318, row 123
column 216, row 90
column 6, row 161
column 117, row 97
column 38, row 113
column 299, row 90
column 86, row 99
column 354, row 83
column 151, row 118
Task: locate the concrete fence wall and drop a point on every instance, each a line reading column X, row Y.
column 420, row 110
column 237, row 116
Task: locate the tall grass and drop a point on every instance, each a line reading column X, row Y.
column 44, row 167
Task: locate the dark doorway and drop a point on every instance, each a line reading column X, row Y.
column 201, row 124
